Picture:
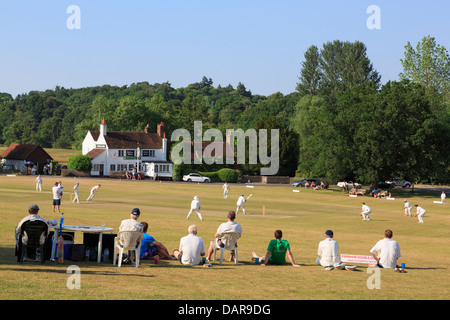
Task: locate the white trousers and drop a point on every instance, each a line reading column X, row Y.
column 408, row 212
column 91, row 196
column 198, row 213
column 243, row 208
column 75, row 197
column 38, row 186
column 365, row 215
column 420, row 216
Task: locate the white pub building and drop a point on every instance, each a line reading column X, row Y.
column 120, row 151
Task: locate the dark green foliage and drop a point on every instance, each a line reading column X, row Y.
column 228, row 175
column 79, row 162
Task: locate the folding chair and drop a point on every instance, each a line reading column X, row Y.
column 127, row 240
column 33, row 230
column 227, row 241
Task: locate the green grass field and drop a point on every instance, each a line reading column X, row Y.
column 302, row 216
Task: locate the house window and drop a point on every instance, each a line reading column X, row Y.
column 120, row 153
column 130, row 167
column 112, row 167
column 162, row 168
column 122, row 167
column 96, row 167
column 130, row 153
column 148, row 153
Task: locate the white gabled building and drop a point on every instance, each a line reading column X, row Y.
column 124, row 151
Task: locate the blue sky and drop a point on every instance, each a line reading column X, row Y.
column 257, row 42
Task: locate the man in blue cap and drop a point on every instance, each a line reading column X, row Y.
column 132, row 224
column 328, row 253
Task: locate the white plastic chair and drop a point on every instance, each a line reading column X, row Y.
column 227, row 241
column 127, row 240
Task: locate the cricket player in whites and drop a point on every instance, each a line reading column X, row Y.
column 93, row 190
column 195, row 205
column 407, row 206
column 443, row 196
column 365, row 211
column 75, row 193
column 39, row 183
column 240, row 203
column 226, row 189
column 420, row 213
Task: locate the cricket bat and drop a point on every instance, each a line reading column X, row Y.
column 249, row 196
column 60, row 251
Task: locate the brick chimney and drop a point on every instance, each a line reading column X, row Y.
column 161, row 130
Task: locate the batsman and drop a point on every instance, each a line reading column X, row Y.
column 240, row 203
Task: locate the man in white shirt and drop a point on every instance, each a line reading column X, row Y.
column 75, row 193
column 93, row 191
column 132, row 224
column 328, row 253
column 226, row 189
column 191, row 248
column 39, row 183
column 389, row 252
column 407, row 206
column 195, row 205
column 56, row 190
column 365, row 211
column 226, row 227
column 240, row 204
column 443, row 196
column 420, row 213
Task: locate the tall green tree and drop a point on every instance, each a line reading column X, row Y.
column 311, row 72
column 428, row 64
column 370, row 135
column 337, row 66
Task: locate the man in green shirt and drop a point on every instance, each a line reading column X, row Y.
column 276, row 252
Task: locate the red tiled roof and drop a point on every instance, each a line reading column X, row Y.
column 94, row 153
column 130, row 140
column 28, row 152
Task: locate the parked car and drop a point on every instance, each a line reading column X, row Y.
column 385, row 185
column 350, row 184
column 302, row 183
column 400, row 183
column 195, row 177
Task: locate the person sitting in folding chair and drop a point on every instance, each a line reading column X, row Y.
column 132, row 224
column 276, row 252
column 33, row 211
column 227, row 227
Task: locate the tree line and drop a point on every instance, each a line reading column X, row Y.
column 340, row 122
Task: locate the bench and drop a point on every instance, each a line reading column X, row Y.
column 361, row 192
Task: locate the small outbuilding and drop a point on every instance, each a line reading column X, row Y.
column 28, row 158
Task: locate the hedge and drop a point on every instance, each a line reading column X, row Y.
column 223, row 175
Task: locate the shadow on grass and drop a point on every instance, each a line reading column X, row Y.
column 84, row 270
